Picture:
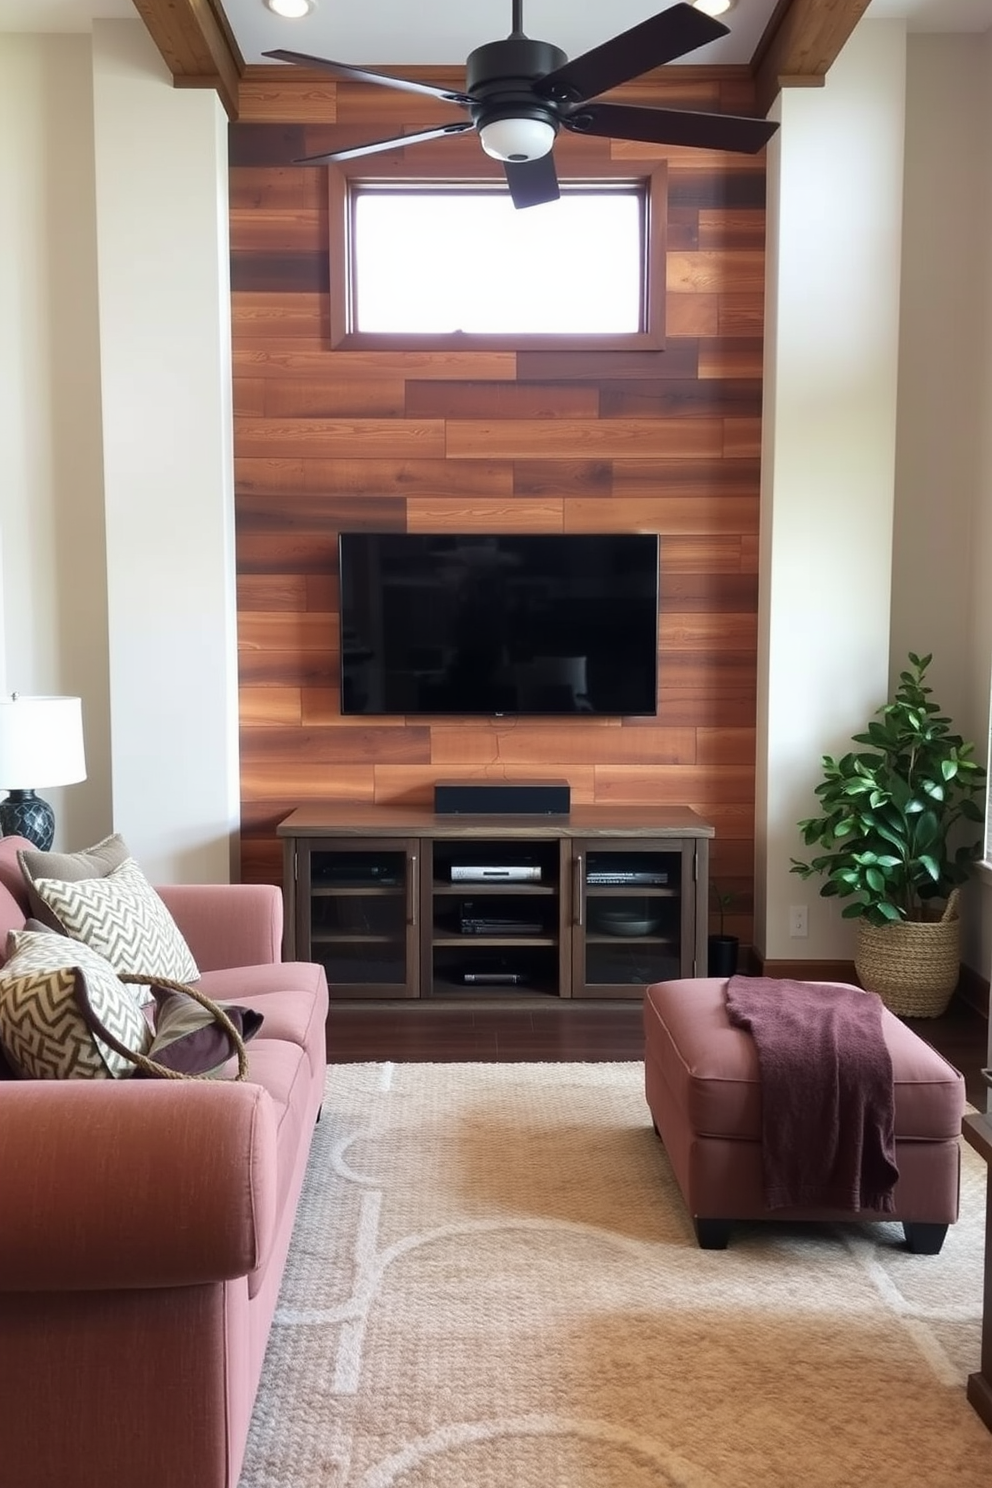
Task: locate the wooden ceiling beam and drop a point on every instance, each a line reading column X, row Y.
column 800, row 44
column 197, row 44
column 802, row 41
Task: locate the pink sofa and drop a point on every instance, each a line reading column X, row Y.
column 144, row 1226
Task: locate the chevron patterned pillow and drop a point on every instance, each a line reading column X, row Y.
column 122, row 918
column 42, row 1028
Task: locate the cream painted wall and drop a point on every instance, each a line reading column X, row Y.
column 52, row 550
column 827, row 489
column 116, row 510
column 161, row 197
column 941, row 597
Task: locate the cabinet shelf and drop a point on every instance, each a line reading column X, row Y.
column 357, row 891
column 370, row 895
column 469, row 942
column 321, row 937
column 594, row 937
column 468, row 889
column 595, row 891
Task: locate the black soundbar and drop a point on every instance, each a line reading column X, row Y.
column 502, row 798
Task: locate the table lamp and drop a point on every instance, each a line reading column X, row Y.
column 41, row 739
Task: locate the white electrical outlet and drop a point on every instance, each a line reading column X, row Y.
column 798, row 927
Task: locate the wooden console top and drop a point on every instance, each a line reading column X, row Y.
column 346, row 819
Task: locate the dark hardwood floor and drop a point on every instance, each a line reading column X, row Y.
column 436, row 1032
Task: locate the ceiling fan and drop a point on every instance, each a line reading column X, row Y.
column 520, row 92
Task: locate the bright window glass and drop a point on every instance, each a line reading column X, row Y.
column 430, row 262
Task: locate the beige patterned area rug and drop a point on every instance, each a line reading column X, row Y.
column 494, row 1284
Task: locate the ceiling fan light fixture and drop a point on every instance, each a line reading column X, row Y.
column 517, row 139
column 713, row 7
column 290, row 10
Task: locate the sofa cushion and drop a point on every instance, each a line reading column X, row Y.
column 91, row 862
column 123, row 918
column 289, row 994
column 42, row 1026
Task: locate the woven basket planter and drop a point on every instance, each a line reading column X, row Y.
column 913, row 965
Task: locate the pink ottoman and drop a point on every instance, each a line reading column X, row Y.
column 703, row 1088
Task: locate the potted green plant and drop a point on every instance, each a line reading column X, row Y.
column 895, row 829
column 721, row 949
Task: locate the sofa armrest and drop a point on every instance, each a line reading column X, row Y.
column 116, row 1184
column 227, row 925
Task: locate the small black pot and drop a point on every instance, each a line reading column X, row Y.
column 721, row 955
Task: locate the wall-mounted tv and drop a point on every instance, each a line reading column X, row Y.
column 507, row 624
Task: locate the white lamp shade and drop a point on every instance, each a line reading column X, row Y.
column 41, row 742
column 517, row 139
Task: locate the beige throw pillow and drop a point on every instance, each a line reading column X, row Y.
column 91, row 862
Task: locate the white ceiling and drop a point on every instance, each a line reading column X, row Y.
column 384, row 32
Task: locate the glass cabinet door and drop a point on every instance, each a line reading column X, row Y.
column 357, row 904
column 629, row 911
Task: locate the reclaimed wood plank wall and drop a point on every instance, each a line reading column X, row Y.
column 327, row 440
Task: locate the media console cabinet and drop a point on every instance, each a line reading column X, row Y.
column 399, row 902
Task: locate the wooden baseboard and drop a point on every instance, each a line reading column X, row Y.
column 806, row 971
column 972, row 989
column 980, row 1397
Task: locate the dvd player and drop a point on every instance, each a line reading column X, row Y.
column 493, row 979
column 598, row 878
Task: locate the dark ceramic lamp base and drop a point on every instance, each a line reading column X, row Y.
column 24, row 814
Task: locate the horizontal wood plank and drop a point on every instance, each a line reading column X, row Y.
column 382, row 438
column 272, row 591
column 332, row 395
column 269, row 229
column 663, row 513
column 487, row 400
column 297, row 782
column 577, row 743
column 604, row 438
column 460, row 514
column 267, row 357
column 275, row 187
column 279, row 630
column 309, row 745
column 268, row 707
column 715, row 398
column 283, row 315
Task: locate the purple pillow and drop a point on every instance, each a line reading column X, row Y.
column 188, row 1038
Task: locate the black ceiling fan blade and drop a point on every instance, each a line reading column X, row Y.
column 658, row 126
column 387, row 144
column 532, row 182
column 362, row 75
column 657, row 40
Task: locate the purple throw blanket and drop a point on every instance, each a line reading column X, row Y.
column 828, row 1120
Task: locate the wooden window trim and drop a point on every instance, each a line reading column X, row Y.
column 342, row 338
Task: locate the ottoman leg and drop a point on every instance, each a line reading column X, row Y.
column 924, row 1239
column 712, row 1234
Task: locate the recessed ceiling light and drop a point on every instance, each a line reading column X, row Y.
column 714, row 7
column 290, row 10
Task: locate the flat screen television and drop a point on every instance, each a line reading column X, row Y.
column 496, row 625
